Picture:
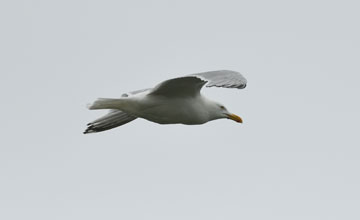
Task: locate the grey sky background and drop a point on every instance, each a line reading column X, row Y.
column 295, row 157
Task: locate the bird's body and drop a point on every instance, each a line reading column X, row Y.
column 165, row 110
column 174, row 101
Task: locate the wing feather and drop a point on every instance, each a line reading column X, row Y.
column 111, row 120
column 191, row 85
column 179, row 87
column 223, row 78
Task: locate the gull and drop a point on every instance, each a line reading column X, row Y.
column 174, row 101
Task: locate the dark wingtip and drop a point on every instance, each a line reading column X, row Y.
column 242, row 86
column 89, row 129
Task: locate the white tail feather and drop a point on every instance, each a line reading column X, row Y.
column 103, row 103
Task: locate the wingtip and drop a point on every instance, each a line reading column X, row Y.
column 89, row 129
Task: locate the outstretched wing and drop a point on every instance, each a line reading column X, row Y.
column 223, row 78
column 111, row 120
column 191, row 85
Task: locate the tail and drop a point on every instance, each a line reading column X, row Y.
column 103, row 103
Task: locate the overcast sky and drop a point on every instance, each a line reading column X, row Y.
column 295, row 157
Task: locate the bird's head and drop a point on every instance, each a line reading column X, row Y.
column 220, row 111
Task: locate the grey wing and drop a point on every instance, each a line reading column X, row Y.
column 111, row 120
column 179, row 87
column 191, row 85
column 223, row 78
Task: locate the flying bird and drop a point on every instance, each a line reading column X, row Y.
column 174, row 101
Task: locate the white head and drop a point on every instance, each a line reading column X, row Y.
column 218, row 111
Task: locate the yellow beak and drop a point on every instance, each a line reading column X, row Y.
column 235, row 118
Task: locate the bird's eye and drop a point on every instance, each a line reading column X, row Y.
column 222, row 107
